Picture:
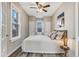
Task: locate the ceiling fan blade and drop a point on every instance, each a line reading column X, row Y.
column 34, row 7
column 44, row 10
column 46, row 6
column 37, row 3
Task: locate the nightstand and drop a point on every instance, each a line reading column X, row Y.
column 65, row 48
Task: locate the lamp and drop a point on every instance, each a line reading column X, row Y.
column 61, row 43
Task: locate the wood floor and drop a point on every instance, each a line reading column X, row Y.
column 19, row 53
column 38, row 55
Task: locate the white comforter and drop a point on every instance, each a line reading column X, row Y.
column 41, row 44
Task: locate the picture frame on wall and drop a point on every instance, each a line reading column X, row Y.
column 60, row 20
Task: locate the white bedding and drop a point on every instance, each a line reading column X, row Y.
column 41, row 44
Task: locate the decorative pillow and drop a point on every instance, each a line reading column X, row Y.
column 53, row 36
column 59, row 35
column 49, row 35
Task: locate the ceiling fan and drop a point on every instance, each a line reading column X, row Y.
column 40, row 7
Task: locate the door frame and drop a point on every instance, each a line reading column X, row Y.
column 76, row 27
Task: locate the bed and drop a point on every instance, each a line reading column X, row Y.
column 41, row 44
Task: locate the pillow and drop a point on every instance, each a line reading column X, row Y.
column 53, row 36
column 59, row 35
column 49, row 35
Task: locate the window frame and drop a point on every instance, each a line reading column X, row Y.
column 13, row 7
column 42, row 24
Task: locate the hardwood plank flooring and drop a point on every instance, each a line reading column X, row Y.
column 19, row 53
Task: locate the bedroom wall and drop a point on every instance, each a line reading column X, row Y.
column 32, row 26
column 78, row 49
column 69, row 11
column 47, row 24
column 12, row 46
column 0, row 26
column 77, row 29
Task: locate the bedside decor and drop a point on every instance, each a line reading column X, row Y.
column 65, row 48
column 64, row 43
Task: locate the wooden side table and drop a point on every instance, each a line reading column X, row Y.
column 65, row 48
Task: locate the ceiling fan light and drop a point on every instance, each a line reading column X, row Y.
column 40, row 10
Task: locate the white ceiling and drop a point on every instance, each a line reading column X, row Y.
column 33, row 12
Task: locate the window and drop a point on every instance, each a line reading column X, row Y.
column 39, row 25
column 15, row 24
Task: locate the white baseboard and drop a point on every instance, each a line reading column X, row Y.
column 13, row 50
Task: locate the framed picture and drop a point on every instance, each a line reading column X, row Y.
column 60, row 20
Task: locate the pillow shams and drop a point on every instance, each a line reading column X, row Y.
column 53, row 36
column 59, row 35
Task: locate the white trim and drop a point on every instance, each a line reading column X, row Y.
column 17, row 37
column 13, row 50
column 76, row 28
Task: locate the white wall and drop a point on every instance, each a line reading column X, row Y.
column 0, row 25
column 77, row 29
column 78, row 19
column 32, row 25
column 78, row 49
column 47, row 24
column 12, row 46
column 69, row 11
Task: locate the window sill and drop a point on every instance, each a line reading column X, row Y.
column 15, row 39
